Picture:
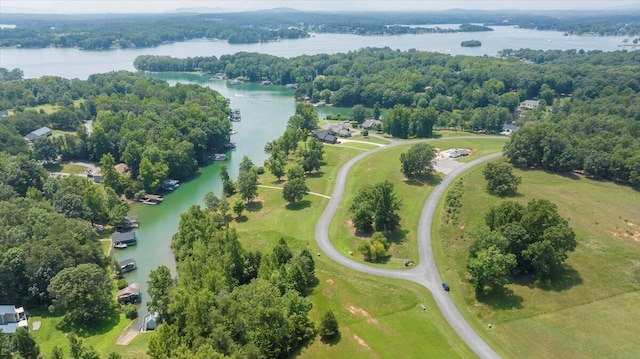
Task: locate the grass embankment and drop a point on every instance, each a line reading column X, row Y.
column 592, row 311
column 102, row 338
column 385, row 166
column 65, row 168
column 377, row 317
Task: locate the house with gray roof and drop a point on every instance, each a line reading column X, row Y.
column 41, row 132
column 12, row 318
column 529, row 104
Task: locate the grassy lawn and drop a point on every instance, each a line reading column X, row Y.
column 590, row 311
column 137, row 349
column 101, row 338
column 360, row 145
column 60, row 133
column 412, row 194
column 374, row 314
column 48, row 108
column 65, row 168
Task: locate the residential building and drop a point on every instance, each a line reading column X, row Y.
column 41, row 132
column 12, row 318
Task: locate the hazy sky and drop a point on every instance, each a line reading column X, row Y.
column 150, row 6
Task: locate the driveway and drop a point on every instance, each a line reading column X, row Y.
column 426, row 272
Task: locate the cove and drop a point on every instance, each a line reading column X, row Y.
column 265, row 111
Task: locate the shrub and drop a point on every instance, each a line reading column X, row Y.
column 130, row 311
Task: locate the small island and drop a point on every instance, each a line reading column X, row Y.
column 471, row 43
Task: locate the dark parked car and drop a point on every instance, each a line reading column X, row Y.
column 445, row 286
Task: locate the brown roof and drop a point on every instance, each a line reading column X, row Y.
column 122, row 168
column 132, row 289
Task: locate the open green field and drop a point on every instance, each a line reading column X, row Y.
column 374, row 314
column 592, row 311
column 65, row 168
column 102, row 338
column 412, row 194
column 48, row 108
column 60, row 133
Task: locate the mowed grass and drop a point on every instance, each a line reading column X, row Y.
column 377, row 317
column 591, row 311
column 385, row 166
column 102, row 338
column 65, row 168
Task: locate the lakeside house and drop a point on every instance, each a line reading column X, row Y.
column 370, row 124
column 129, row 295
column 529, row 105
column 507, row 129
column 12, row 318
column 128, row 238
column 341, row 130
column 41, row 132
column 324, row 136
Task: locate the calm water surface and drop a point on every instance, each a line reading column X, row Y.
column 72, row 63
column 265, row 109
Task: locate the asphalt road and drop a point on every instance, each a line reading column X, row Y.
column 426, row 272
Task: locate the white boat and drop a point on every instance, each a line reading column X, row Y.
column 219, row 157
column 120, row 246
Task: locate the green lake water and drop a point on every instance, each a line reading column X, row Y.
column 265, row 111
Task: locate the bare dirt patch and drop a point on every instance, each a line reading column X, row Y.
column 329, row 281
column 361, row 313
column 361, row 341
column 627, row 235
column 462, row 226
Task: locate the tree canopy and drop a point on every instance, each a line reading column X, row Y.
column 418, row 160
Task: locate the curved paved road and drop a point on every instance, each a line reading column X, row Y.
column 426, row 272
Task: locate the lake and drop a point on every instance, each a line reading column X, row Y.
column 265, row 109
column 74, row 63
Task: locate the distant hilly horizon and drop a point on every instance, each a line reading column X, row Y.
column 219, row 10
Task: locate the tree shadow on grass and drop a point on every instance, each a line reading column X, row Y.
column 430, row 179
column 254, row 206
column 241, row 219
column 397, row 236
column 500, row 298
column 97, row 328
column 53, row 167
column 278, row 181
column 564, row 280
column 298, row 205
column 317, row 174
column 332, row 341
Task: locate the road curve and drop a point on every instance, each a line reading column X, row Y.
column 425, row 273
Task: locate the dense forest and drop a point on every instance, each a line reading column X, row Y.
column 228, row 302
column 588, row 100
column 159, row 131
column 124, row 31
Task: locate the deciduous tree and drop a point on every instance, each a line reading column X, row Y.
column 82, row 293
column 294, row 190
column 500, row 178
column 418, row 160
